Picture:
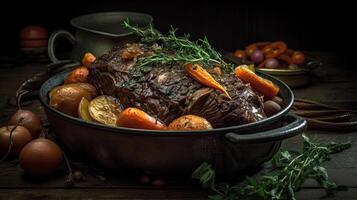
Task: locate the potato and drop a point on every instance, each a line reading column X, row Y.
column 86, row 86
column 105, row 109
column 78, row 75
column 83, row 112
column 190, row 122
column 66, row 98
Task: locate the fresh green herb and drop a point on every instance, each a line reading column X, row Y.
column 290, row 170
column 185, row 50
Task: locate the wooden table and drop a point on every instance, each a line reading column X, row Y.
column 334, row 83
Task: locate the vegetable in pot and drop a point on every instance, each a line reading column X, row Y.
column 88, row 59
column 202, row 76
column 78, row 75
column 105, row 109
column 264, row 86
column 190, row 122
column 66, row 98
column 136, row 118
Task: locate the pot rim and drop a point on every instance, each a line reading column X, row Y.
column 76, row 22
column 236, row 129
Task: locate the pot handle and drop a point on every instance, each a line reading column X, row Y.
column 52, row 43
column 295, row 126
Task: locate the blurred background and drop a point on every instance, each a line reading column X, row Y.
column 228, row 25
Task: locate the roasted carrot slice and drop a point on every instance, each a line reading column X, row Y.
column 88, row 59
column 264, row 86
column 136, row 118
column 202, row 76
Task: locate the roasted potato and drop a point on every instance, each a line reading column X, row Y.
column 66, row 98
column 86, row 86
column 190, row 122
column 105, row 109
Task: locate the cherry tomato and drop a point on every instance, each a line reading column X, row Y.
column 298, row 58
column 240, row 54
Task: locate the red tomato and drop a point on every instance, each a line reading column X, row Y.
column 298, row 58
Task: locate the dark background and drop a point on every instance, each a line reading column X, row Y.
column 228, row 25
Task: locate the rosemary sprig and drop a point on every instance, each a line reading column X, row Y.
column 290, row 171
column 185, row 50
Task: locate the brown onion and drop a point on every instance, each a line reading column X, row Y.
column 271, row 108
column 40, row 157
column 29, row 120
column 20, row 137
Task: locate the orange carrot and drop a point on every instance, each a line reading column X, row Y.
column 264, row 86
column 136, row 118
column 202, row 76
column 88, row 59
column 78, row 75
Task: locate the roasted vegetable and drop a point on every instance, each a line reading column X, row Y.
column 88, row 58
column 136, row 118
column 264, row 86
column 190, row 122
column 78, row 75
column 66, row 98
column 271, row 108
column 202, row 76
column 83, row 112
column 105, row 109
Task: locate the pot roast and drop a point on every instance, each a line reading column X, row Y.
column 167, row 92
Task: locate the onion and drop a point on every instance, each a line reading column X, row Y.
column 271, row 108
column 40, row 157
column 20, row 137
column 29, row 120
column 271, row 63
column 257, row 56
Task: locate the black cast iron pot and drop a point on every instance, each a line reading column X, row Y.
column 231, row 149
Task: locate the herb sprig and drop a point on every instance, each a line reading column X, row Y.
column 185, row 50
column 290, row 170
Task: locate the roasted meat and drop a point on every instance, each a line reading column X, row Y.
column 167, row 92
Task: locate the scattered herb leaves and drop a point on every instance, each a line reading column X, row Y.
column 289, row 171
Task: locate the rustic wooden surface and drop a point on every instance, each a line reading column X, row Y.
column 334, row 83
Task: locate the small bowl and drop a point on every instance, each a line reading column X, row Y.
column 298, row 77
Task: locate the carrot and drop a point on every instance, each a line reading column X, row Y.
column 203, row 77
column 264, row 86
column 78, row 75
column 88, row 59
column 136, row 118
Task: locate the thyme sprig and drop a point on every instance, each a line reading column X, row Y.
column 184, row 50
column 290, row 170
